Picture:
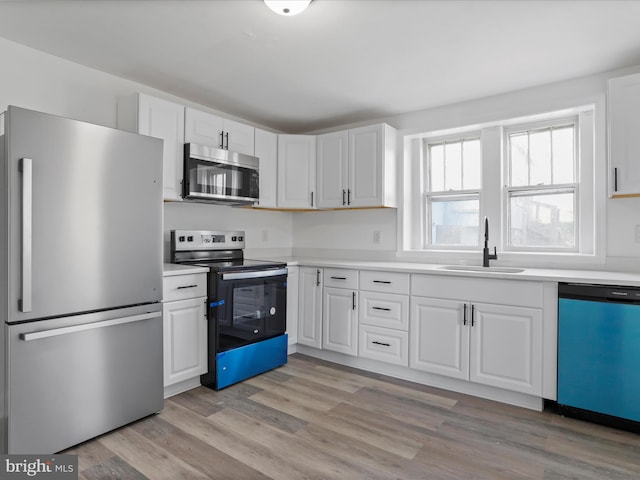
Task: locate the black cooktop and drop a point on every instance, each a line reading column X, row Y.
column 239, row 265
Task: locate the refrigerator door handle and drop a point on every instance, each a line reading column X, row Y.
column 87, row 326
column 27, row 217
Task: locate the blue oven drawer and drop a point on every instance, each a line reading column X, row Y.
column 241, row 363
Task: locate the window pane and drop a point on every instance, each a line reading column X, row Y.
column 542, row 219
column 540, row 157
column 519, row 157
column 563, row 155
column 453, row 162
column 455, row 221
column 436, row 160
column 471, row 164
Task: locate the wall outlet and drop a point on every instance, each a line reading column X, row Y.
column 376, row 237
column 265, row 235
column 637, row 233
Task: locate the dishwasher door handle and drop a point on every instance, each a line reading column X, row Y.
column 55, row 332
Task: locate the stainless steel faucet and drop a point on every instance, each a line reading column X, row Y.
column 486, row 256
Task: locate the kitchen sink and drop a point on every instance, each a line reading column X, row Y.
column 477, row 268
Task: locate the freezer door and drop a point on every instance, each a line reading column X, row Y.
column 73, row 378
column 85, row 216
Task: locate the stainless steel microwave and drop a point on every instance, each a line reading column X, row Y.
column 216, row 175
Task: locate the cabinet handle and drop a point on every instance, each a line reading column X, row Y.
column 386, row 282
column 464, row 315
column 473, row 310
column 318, row 277
column 349, row 197
column 338, row 278
column 381, row 343
column 615, row 179
column 221, row 139
column 226, row 135
column 381, row 308
column 186, row 286
column 344, row 200
column 353, row 306
column 312, row 199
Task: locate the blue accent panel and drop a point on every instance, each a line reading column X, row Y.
column 216, row 304
column 599, row 357
column 241, row 363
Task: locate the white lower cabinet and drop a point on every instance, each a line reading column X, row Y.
column 185, row 340
column 496, row 345
column 293, row 295
column 384, row 344
column 310, row 307
column 340, row 320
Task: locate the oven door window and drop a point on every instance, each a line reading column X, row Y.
column 253, row 310
column 219, row 180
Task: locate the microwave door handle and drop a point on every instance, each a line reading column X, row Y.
column 26, row 165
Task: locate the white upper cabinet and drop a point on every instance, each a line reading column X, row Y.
column 266, row 149
column 332, row 155
column 160, row 119
column 357, row 168
column 296, row 171
column 624, row 141
column 207, row 129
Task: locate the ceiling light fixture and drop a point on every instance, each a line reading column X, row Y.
column 287, row 8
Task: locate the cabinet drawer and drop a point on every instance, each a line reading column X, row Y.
column 384, row 310
column 485, row 290
column 341, row 278
column 383, row 344
column 385, row 282
column 181, row 287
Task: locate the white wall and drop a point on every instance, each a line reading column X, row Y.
column 38, row 81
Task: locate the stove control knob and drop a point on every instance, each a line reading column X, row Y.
column 234, row 239
column 240, row 239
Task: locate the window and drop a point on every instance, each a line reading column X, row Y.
column 541, row 192
column 452, row 200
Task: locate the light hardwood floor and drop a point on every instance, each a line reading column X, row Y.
column 315, row 420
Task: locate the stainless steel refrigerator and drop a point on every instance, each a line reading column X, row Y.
column 81, row 280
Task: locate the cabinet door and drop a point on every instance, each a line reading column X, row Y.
column 296, row 171
column 241, row 137
column 266, row 149
column 340, row 321
column 331, row 169
column 310, row 307
column 292, row 304
column 506, row 347
column 365, row 166
column 162, row 119
column 439, row 340
column 185, row 340
column 203, row 128
column 624, row 141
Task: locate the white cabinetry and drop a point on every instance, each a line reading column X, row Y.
column 207, row 129
column 384, row 317
column 310, row 307
column 624, row 141
column 161, row 119
column 185, row 331
column 293, row 295
column 340, row 311
column 455, row 331
column 357, row 168
column 296, row 171
column 266, row 149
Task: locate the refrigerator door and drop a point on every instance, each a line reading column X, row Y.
column 85, row 216
column 72, row 378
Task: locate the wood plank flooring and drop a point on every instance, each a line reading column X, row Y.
column 315, row 420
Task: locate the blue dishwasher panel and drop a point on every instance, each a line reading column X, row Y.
column 241, row 363
column 599, row 357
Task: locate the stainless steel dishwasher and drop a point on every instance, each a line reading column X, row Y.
column 599, row 353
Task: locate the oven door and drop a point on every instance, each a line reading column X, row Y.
column 220, row 176
column 250, row 306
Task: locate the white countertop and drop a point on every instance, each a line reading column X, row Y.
column 171, row 269
column 536, row 274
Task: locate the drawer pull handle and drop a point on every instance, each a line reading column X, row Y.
column 386, row 282
column 338, row 278
column 187, row 286
column 381, row 343
column 381, row 308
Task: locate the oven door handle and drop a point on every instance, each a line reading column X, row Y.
column 253, row 274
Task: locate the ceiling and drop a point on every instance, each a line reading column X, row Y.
column 340, row 61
